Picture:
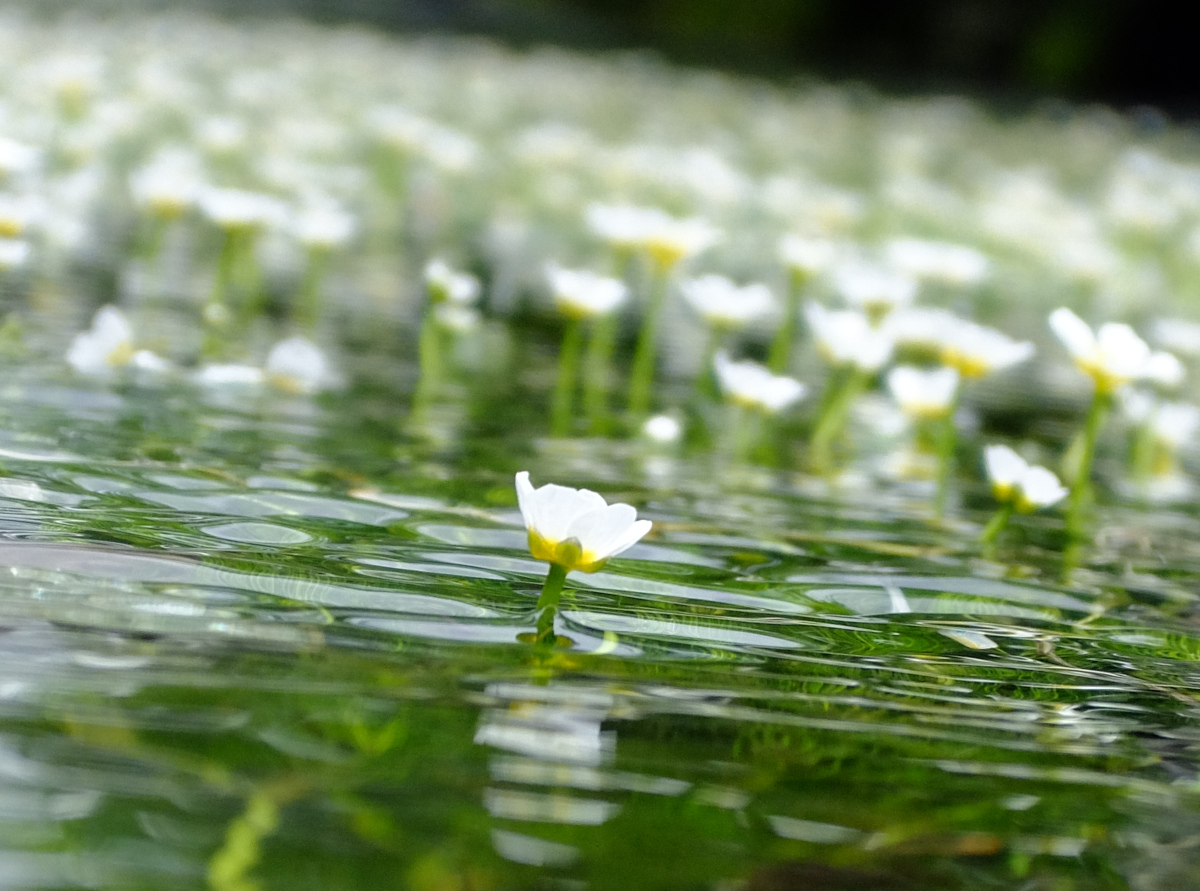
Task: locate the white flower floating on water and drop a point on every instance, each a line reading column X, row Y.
column 581, row 294
column 108, row 345
column 725, row 305
column 753, row 386
column 923, row 394
column 576, row 529
column 296, row 365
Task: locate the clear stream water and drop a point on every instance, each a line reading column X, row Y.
column 260, row 641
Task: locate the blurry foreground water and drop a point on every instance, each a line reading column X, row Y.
column 252, row 639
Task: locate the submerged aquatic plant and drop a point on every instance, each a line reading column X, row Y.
column 572, row 529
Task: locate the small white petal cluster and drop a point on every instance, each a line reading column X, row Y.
column 1015, row 481
column 622, row 225
column 807, row 256
column 297, row 365
column 874, row 289
column 1113, row 355
column 582, row 294
column 239, row 209
column 323, row 226
column 723, row 304
column 923, row 393
column 670, row 241
column 977, row 350
column 847, row 337
column 445, row 285
column 576, row 528
column 751, row 385
column 954, row 264
column 108, row 345
column 169, row 185
column 662, row 429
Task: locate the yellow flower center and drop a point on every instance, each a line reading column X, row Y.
column 568, row 554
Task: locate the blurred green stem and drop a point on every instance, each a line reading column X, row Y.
column 602, row 341
column 785, row 335
column 947, row 443
column 216, row 311
column 568, row 371
column 308, row 300
column 832, row 420
column 1081, row 486
column 642, row 375
column 996, row 525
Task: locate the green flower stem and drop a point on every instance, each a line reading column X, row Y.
column 947, row 443
column 644, row 354
column 785, row 335
column 308, row 300
column 1144, row 453
column 568, row 371
column 1081, row 486
column 602, row 341
column 743, row 428
column 429, row 357
column 548, row 602
column 832, row 421
column 706, row 380
column 996, row 525
column 216, row 311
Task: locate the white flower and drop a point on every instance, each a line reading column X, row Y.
column 1174, row 423
column 576, row 528
column 923, row 394
column 16, row 157
column 108, row 344
column 977, row 350
column 446, row 285
column 873, row 289
column 20, row 213
column 662, row 429
column 13, row 253
column 846, row 337
column 1014, row 480
column 230, row 375
column 954, row 264
column 583, row 294
column 1179, row 335
column 623, row 225
column 1113, row 356
column 923, row 326
column 753, row 386
column 239, row 209
column 298, row 366
column 323, row 226
column 806, row 256
column 669, row 241
column 456, row 317
column 723, row 304
column 1164, row 369
column 167, row 186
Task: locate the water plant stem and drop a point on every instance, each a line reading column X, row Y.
column 780, row 355
column 602, row 341
column 216, row 311
column 947, row 443
column 1081, row 486
column 997, row 523
column 308, row 299
column 568, row 371
column 832, row 420
column 547, row 604
column 429, row 358
column 644, row 354
column 706, row 380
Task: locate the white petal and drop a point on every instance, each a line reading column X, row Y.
column 556, row 507
column 600, row 531
column 1004, row 466
column 1074, row 333
column 1041, row 488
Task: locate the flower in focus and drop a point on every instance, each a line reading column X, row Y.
column 1014, row 481
column 581, row 294
column 445, row 285
column 847, row 337
column 296, row 365
column 576, row 528
column 1112, row 356
column 724, row 305
column 923, row 394
column 753, row 386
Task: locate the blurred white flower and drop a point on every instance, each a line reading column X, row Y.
column 13, row 253
column 108, row 344
column 576, row 528
column 229, row 375
column 1113, row 356
column 239, row 209
column 807, row 256
column 323, row 226
column 723, row 304
column 669, row 241
column 753, row 386
column 445, row 285
column 923, row 393
column 582, row 294
column 846, row 337
column 662, row 429
column 622, row 225
column 1164, row 369
column 1174, row 423
column 1015, row 481
column 873, row 289
column 20, row 213
column 298, row 366
column 1178, row 335
column 954, row 264
column 456, row 317
column 168, row 186
column 16, row 157
column 977, row 350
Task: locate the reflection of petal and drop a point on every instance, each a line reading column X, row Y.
column 532, row 851
column 535, row 808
